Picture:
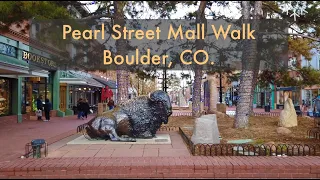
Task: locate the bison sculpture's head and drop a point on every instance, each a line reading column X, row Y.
column 162, row 98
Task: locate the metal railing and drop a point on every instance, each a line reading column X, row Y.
column 250, row 149
column 315, row 131
column 256, row 150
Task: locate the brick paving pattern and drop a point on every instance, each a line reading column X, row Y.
column 130, row 161
column 164, row 167
column 177, row 148
column 14, row 136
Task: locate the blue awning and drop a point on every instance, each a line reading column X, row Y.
column 286, row 88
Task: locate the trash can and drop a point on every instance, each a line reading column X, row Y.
column 36, row 147
column 267, row 108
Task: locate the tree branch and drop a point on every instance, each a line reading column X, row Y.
column 293, row 34
column 275, row 10
column 98, row 16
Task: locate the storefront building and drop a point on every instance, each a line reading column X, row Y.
column 75, row 85
column 11, row 67
column 44, row 84
column 26, row 73
column 264, row 97
column 308, row 94
column 112, row 85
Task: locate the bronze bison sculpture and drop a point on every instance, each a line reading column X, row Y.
column 139, row 117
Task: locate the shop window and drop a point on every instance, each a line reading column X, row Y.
column 49, row 92
column 35, row 87
column 5, row 97
column 42, row 91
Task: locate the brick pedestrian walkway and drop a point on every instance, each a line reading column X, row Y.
column 163, row 167
column 172, row 161
column 14, row 136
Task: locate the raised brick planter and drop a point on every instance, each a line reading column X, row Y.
column 164, row 167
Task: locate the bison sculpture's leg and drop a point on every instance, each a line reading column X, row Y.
column 109, row 126
column 114, row 137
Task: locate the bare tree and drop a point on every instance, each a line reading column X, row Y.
column 196, row 95
column 249, row 62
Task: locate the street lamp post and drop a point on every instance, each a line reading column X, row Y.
column 164, row 81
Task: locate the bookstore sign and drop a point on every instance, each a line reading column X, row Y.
column 27, row 56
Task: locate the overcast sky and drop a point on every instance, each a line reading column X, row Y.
column 232, row 11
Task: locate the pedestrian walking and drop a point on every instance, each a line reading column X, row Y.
column 111, row 104
column 47, row 109
column 39, row 108
column 85, row 108
column 79, row 108
column 303, row 106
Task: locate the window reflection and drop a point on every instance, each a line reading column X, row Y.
column 5, row 97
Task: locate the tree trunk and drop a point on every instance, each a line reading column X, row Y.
column 246, row 79
column 257, row 14
column 196, row 97
column 122, row 75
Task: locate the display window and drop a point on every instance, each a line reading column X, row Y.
column 294, row 95
column 5, row 97
column 34, row 88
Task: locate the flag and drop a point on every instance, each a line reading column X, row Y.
column 106, row 95
column 110, row 93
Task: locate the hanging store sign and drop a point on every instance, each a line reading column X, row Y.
column 8, row 50
column 27, row 56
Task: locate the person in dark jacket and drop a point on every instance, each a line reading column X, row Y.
column 47, row 109
column 79, row 109
column 85, row 108
column 39, row 106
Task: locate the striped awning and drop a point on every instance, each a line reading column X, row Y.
column 80, row 78
column 314, row 87
column 111, row 84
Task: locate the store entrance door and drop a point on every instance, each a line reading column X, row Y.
column 63, row 97
column 262, row 97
